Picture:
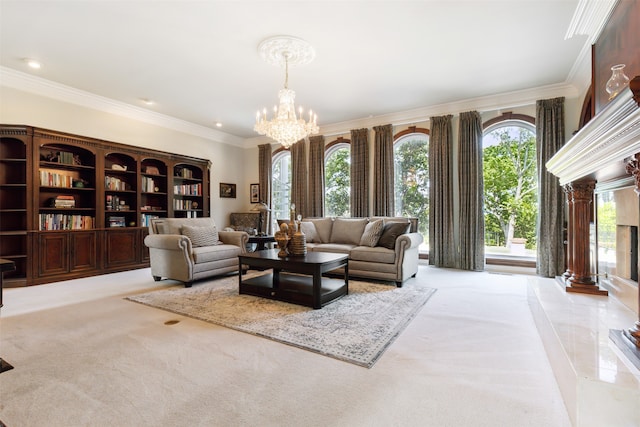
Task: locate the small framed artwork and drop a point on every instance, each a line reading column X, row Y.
column 254, row 192
column 228, row 190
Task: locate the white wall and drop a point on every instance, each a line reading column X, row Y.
column 228, row 162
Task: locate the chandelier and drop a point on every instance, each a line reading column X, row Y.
column 286, row 127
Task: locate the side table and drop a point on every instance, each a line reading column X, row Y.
column 5, row 265
column 261, row 241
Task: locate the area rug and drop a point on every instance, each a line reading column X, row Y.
column 357, row 328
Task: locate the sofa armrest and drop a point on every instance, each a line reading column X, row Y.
column 408, row 241
column 171, row 242
column 237, row 238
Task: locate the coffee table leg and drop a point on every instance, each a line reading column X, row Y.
column 317, row 287
column 346, row 276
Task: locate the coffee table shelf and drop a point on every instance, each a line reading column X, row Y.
column 297, row 280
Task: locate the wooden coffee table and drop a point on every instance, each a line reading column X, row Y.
column 297, row 279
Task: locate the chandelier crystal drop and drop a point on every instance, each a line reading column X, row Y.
column 286, row 127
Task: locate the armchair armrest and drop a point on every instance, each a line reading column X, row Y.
column 408, row 241
column 172, row 242
column 237, row 238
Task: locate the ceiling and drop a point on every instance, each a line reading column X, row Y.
column 198, row 60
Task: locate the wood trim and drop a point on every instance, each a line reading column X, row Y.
column 507, row 116
column 409, row 131
column 339, row 140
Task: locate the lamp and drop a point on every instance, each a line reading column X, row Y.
column 285, row 127
column 262, row 208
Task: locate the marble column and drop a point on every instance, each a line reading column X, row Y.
column 581, row 278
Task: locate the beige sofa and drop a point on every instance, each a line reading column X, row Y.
column 393, row 259
column 187, row 249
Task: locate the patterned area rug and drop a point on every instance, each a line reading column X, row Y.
column 357, row 328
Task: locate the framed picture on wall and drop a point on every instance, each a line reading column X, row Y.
column 254, row 193
column 227, row 190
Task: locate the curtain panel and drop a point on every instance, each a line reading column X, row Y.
column 316, row 176
column 299, row 177
column 441, row 242
column 360, row 173
column 383, row 185
column 265, row 177
column 471, row 189
column 551, row 206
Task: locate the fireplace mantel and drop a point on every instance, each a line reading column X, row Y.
column 606, row 140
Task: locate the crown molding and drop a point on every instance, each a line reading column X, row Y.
column 589, row 18
column 28, row 83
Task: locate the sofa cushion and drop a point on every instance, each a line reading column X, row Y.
column 309, row 230
column 391, row 232
column 201, row 236
column 323, row 228
column 348, row 230
column 337, row 248
column 375, row 255
column 372, row 233
column 213, row 253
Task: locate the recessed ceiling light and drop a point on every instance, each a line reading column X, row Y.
column 218, row 124
column 147, row 101
column 32, row 63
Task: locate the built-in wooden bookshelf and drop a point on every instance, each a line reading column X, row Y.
column 15, row 182
column 73, row 206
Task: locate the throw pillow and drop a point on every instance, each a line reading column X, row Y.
column 201, row 236
column 348, row 230
column 323, row 228
column 391, row 232
column 372, row 233
column 309, row 230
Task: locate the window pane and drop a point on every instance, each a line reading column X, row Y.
column 337, row 181
column 411, row 168
column 281, row 188
column 510, row 191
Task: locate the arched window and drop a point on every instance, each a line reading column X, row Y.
column 510, row 186
column 281, row 184
column 337, row 178
column 411, row 169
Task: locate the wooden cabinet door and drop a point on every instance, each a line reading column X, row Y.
column 84, row 248
column 121, row 247
column 53, row 252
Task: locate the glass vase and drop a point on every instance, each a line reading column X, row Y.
column 617, row 81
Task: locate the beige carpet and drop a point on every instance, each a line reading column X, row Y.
column 84, row 356
column 356, row 328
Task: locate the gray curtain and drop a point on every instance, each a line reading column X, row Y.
column 265, row 176
column 441, row 242
column 360, row 173
column 383, row 191
column 316, row 176
column 299, row 177
column 551, row 206
column 471, row 189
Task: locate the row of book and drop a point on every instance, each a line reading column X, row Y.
column 148, row 185
column 52, row 179
column 184, row 173
column 66, row 222
column 184, row 205
column 146, row 219
column 188, row 190
column 115, row 184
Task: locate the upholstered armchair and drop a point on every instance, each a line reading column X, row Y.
column 188, row 249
